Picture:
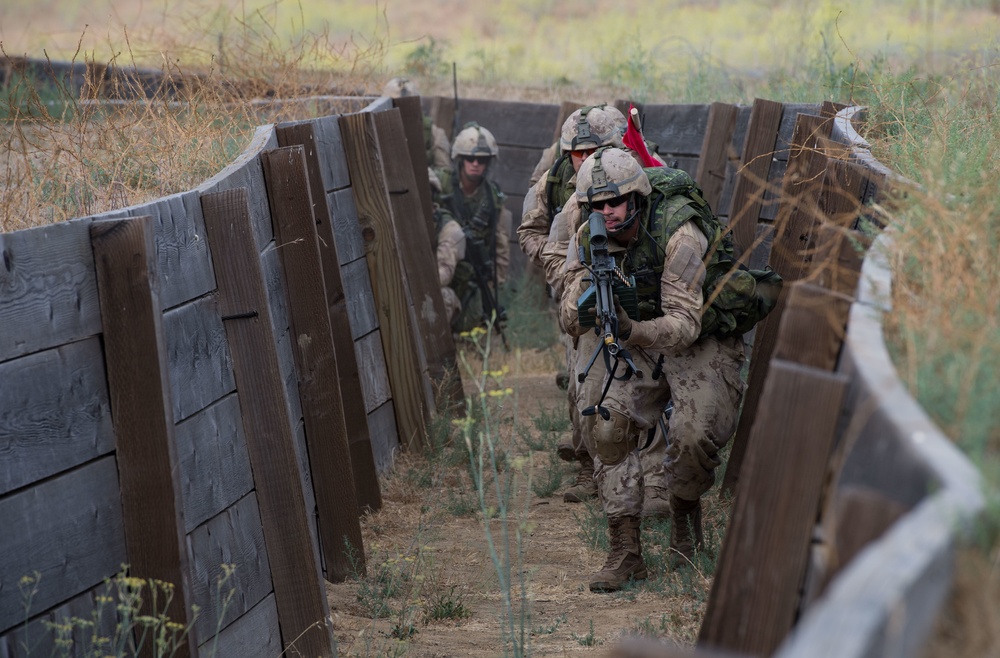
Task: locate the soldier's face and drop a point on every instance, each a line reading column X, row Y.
column 474, row 167
column 577, row 157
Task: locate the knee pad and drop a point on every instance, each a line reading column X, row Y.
column 614, row 438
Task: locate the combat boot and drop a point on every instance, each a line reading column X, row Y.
column 686, row 535
column 655, row 503
column 624, row 561
column 584, row 488
column 565, row 449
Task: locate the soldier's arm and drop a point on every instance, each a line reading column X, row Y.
column 533, row 232
column 680, row 295
column 574, row 285
column 450, row 250
column 503, row 244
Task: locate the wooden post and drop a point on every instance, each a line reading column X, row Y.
column 299, row 592
column 371, row 196
column 432, row 327
column 751, row 181
column 755, row 590
column 797, row 215
column 413, row 126
column 142, row 412
column 367, row 489
column 715, row 150
column 316, row 361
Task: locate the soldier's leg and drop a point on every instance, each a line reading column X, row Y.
column 619, row 476
column 566, row 447
column 707, row 389
column 585, row 487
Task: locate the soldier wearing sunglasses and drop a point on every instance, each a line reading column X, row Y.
column 464, row 194
column 657, row 225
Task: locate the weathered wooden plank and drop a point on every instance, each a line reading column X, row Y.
column 755, row 591
column 783, row 144
column 789, row 253
column 432, row 328
column 136, row 362
column 199, row 363
column 38, row 638
column 441, row 109
column 245, row 173
column 716, row 151
column 315, row 359
column 48, row 290
column 513, row 123
column 69, row 529
column 323, row 134
column 840, row 254
column 413, row 127
column 57, row 416
column 330, row 242
column 183, row 265
column 724, row 208
column 772, row 191
column 359, row 303
column 298, row 588
column 374, row 380
column 512, row 172
column 254, row 635
column 346, row 227
column 385, row 443
column 213, row 464
column 676, row 128
column 229, row 556
column 751, row 181
column 566, row 108
column 371, row 196
column 812, row 327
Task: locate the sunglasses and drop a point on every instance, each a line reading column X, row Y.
column 611, row 203
column 478, row 159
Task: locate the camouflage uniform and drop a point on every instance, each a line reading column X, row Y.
column 483, row 218
column 450, row 252
column 700, row 375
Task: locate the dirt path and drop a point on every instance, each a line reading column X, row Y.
column 427, row 551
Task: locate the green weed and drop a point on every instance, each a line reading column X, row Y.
column 447, row 606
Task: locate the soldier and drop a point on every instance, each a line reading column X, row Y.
column 466, row 195
column 435, row 138
column 661, row 236
column 551, row 214
column 450, row 252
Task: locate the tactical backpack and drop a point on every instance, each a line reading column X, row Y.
column 557, row 191
column 736, row 298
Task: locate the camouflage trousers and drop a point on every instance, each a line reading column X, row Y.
column 648, row 463
column 704, row 383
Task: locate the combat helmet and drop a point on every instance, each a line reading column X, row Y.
column 474, row 140
column 609, row 173
column 400, row 88
column 589, row 127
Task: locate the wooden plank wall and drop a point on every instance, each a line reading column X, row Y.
column 55, row 348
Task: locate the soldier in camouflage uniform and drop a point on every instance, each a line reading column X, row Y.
column 657, row 239
column 450, row 252
column 551, row 214
column 435, row 138
column 582, row 133
column 468, row 197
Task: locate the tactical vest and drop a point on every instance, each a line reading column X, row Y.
column 478, row 217
column 557, row 188
column 735, row 298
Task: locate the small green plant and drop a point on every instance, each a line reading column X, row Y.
column 427, row 59
column 588, row 640
column 555, row 478
column 548, row 420
column 447, row 606
column 550, row 628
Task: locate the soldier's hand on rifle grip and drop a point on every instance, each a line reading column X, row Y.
column 624, row 321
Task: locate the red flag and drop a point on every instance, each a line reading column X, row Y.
column 633, row 140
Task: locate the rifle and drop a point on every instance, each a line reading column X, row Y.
column 454, row 86
column 596, row 308
column 493, row 313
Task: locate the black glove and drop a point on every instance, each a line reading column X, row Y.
column 624, row 321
